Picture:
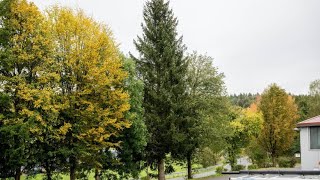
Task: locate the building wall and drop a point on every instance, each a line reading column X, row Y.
column 310, row 158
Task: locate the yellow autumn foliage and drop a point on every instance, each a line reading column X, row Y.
column 91, row 78
column 279, row 120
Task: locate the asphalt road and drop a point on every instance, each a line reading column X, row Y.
column 226, row 177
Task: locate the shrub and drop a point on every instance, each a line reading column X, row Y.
column 169, row 169
column 219, row 169
column 206, row 157
column 239, row 167
column 253, row 166
column 286, row 162
column 258, row 155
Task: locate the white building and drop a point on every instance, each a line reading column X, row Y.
column 310, row 143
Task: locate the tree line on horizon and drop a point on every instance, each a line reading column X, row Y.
column 72, row 103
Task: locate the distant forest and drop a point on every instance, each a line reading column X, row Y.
column 308, row 104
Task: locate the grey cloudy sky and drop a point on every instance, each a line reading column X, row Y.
column 254, row 42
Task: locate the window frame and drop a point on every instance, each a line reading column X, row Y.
column 310, row 137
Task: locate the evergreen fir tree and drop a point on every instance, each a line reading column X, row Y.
column 163, row 69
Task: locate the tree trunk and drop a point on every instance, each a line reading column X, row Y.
column 189, row 167
column 232, row 158
column 97, row 175
column 148, row 177
column 49, row 176
column 18, row 174
column 72, row 168
column 161, row 174
column 274, row 162
column 48, row 170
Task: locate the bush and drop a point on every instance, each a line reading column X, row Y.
column 258, row 155
column 220, row 169
column 239, row 167
column 287, row 162
column 169, row 169
column 206, row 157
column 253, row 166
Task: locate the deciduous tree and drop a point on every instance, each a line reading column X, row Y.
column 204, row 110
column 25, row 52
column 314, row 101
column 129, row 160
column 245, row 123
column 279, row 120
column 91, row 89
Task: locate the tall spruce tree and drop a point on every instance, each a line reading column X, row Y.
column 163, row 69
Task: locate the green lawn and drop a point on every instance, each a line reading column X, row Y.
column 41, row 177
column 177, row 168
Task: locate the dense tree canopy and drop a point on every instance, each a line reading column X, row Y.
column 130, row 153
column 163, row 68
column 62, row 90
column 25, row 80
column 245, row 124
column 243, row 100
column 71, row 103
column 90, row 90
column 206, row 102
column 314, row 101
column 279, row 114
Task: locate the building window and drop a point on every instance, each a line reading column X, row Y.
column 314, row 137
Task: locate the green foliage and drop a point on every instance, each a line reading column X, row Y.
column 243, row 100
column 303, row 103
column 239, row 167
column 62, row 90
column 130, row 153
column 287, row 162
column 206, row 157
column 220, row 169
column 169, row 169
column 163, row 69
column 257, row 154
column 314, row 103
column 25, row 51
column 204, row 125
column 245, row 125
column 209, row 106
column 253, row 166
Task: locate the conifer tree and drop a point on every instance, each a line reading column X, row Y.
column 163, row 69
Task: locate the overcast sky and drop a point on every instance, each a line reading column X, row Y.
column 253, row 42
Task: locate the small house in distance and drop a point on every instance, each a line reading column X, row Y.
column 310, row 143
